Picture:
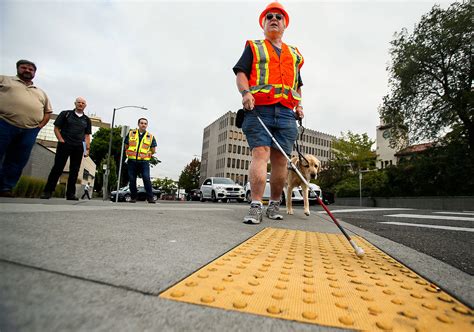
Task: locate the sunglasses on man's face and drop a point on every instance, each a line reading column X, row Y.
column 277, row 16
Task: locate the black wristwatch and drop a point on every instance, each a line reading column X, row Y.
column 244, row 92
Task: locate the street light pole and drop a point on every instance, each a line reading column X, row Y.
column 105, row 190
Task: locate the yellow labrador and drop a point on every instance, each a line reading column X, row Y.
column 309, row 168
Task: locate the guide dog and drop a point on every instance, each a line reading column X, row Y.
column 309, row 167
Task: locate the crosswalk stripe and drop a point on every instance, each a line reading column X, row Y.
column 366, row 210
column 429, row 216
column 449, row 228
column 458, row 213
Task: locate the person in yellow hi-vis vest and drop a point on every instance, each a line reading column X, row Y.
column 140, row 145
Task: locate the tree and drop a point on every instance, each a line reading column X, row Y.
column 189, row 178
column 166, row 185
column 351, row 152
column 100, row 145
column 431, row 74
column 99, row 180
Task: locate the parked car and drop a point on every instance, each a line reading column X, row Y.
column 194, row 195
column 311, row 196
column 125, row 195
column 216, row 188
column 296, row 195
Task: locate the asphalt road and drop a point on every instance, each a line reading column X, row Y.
column 444, row 235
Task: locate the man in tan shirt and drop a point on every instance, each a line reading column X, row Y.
column 24, row 110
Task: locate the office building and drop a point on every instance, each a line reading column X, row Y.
column 225, row 152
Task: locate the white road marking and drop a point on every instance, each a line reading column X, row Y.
column 449, row 228
column 34, row 208
column 429, row 216
column 458, row 213
column 366, row 210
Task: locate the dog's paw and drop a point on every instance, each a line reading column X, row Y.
column 289, row 211
column 307, row 213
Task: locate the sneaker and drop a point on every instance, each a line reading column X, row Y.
column 132, row 200
column 45, row 195
column 255, row 214
column 151, row 201
column 273, row 211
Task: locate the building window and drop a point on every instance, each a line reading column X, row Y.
column 234, row 149
column 246, row 164
column 238, row 163
column 231, row 120
column 238, row 149
column 230, row 148
column 233, row 163
column 228, row 162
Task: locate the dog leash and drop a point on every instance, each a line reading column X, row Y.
column 296, row 145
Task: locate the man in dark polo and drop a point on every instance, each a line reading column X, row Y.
column 73, row 131
column 24, row 110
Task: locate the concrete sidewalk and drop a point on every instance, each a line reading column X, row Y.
column 93, row 265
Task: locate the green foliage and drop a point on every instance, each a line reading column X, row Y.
column 373, row 184
column 99, row 180
column 166, row 185
column 353, row 151
column 189, row 178
column 29, row 186
column 436, row 172
column 60, row 191
column 431, row 74
column 348, row 187
column 100, row 145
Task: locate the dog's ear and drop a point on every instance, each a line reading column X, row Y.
column 297, row 163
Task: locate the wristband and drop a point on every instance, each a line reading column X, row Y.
column 244, row 92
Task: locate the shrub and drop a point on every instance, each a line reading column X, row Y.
column 29, row 186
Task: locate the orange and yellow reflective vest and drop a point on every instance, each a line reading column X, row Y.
column 142, row 152
column 274, row 78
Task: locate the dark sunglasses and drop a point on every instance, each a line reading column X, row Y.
column 277, row 16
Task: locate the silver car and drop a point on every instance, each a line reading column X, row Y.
column 296, row 195
column 215, row 189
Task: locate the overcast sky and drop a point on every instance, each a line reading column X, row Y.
column 176, row 59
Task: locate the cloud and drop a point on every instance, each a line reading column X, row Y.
column 175, row 58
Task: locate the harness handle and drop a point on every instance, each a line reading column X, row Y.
column 297, row 147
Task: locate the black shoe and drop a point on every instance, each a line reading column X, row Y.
column 72, row 198
column 45, row 195
column 132, row 200
column 6, row 194
column 151, row 201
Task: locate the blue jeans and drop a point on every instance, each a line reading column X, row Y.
column 143, row 168
column 15, row 149
column 279, row 120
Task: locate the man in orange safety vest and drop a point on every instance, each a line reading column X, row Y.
column 269, row 80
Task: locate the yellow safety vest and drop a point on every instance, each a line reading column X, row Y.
column 142, row 152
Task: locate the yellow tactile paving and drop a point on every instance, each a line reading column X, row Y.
column 317, row 278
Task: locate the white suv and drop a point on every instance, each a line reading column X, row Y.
column 223, row 189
